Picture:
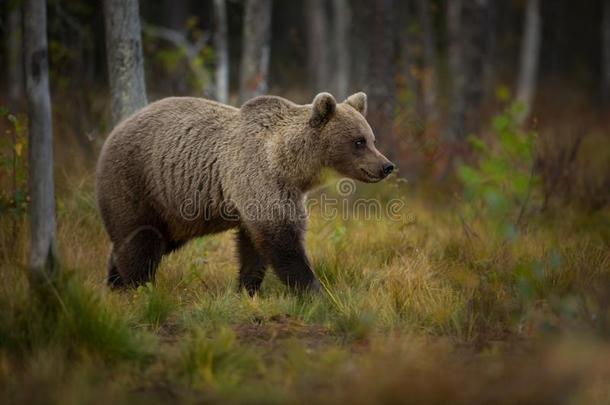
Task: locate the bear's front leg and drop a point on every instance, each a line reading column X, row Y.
column 282, row 246
column 251, row 264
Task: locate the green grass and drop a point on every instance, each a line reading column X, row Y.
column 427, row 309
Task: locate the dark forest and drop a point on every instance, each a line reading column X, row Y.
column 441, row 168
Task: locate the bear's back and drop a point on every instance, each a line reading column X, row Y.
column 164, row 153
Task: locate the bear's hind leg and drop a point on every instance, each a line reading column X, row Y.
column 251, row 264
column 138, row 256
column 114, row 279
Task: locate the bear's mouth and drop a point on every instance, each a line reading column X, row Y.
column 370, row 177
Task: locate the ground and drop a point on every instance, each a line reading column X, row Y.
column 418, row 306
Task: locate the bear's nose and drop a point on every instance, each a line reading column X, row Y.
column 388, row 168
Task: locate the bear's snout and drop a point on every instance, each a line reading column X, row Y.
column 387, row 169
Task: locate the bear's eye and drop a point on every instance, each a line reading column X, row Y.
column 360, row 142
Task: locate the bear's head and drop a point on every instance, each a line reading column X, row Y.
column 347, row 141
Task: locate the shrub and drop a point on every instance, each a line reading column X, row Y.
column 502, row 182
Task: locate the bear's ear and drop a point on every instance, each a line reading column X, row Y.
column 323, row 108
column 358, row 101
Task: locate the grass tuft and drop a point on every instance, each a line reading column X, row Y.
column 70, row 316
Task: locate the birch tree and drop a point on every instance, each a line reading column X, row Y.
column 43, row 252
column 221, row 46
column 530, row 51
column 256, row 49
column 342, row 45
column 125, row 60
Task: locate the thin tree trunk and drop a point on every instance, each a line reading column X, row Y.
column 191, row 49
column 492, row 32
column 342, row 14
column 407, row 49
column 360, row 43
column 125, row 60
column 317, row 40
column 175, row 13
column 256, row 49
column 43, row 253
column 476, row 36
column 382, row 89
column 530, row 51
column 469, row 51
column 606, row 52
column 14, row 58
column 457, row 75
column 221, row 43
column 429, row 79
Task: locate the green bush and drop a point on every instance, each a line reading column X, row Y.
column 502, row 183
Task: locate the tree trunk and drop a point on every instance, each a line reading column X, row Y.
column 14, row 58
column 174, row 17
column 457, row 75
column 191, row 49
column 469, row 52
column 360, row 43
column 382, row 89
column 125, row 60
column 409, row 50
column 476, row 36
column 342, row 15
column 175, row 13
column 491, row 30
column 43, row 254
column 606, row 53
column 256, row 49
column 429, row 78
column 317, row 40
column 221, row 45
column 530, row 51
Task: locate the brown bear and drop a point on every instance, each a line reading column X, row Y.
column 185, row 167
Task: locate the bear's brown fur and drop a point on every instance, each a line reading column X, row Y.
column 186, row 167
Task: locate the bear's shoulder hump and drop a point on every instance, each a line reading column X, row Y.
column 266, row 104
